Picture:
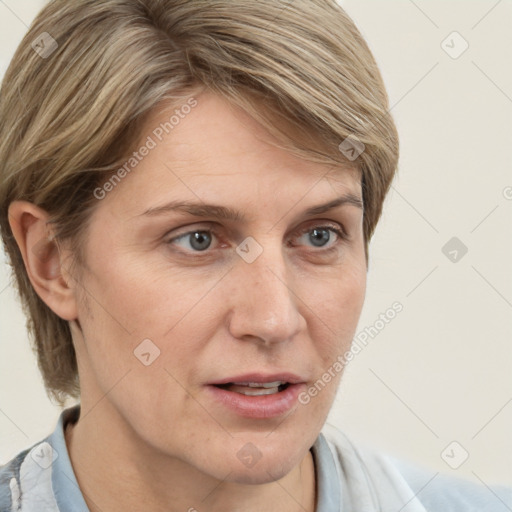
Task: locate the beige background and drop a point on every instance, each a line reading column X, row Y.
column 440, row 371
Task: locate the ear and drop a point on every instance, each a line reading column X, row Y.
column 45, row 264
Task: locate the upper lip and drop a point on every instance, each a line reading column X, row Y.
column 260, row 377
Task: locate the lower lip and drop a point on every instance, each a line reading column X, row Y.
column 263, row 406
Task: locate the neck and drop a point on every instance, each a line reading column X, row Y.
column 119, row 472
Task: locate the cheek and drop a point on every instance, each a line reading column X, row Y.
column 336, row 306
column 142, row 296
column 144, row 363
column 146, row 320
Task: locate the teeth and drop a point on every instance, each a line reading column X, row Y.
column 260, row 384
column 258, row 392
column 255, row 388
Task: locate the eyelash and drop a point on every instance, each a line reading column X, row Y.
column 342, row 236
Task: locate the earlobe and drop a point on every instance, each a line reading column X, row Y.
column 43, row 260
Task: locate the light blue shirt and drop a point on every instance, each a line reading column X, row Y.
column 349, row 479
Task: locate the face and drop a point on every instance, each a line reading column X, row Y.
column 177, row 301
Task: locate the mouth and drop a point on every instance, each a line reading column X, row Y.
column 254, row 388
column 257, row 395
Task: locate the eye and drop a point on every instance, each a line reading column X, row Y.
column 320, row 236
column 200, row 240
column 197, row 241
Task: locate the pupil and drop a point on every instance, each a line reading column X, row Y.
column 325, row 235
column 198, row 240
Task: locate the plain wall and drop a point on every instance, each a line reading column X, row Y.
column 440, row 370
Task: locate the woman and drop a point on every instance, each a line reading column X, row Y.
column 188, row 193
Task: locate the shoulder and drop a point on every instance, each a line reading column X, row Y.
column 9, row 482
column 369, row 481
column 415, row 487
column 452, row 493
column 26, row 480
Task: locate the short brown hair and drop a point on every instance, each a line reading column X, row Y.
column 69, row 117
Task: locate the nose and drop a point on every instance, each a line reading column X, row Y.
column 264, row 304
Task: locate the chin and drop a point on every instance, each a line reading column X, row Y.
column 257, row 475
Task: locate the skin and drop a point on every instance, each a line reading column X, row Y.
column 150, row 437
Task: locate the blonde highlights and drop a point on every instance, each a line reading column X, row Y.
column 69, row 118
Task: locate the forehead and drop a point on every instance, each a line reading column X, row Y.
column 215, row 150
column 216, row 128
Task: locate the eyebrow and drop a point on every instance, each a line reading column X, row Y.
column 227, row 213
